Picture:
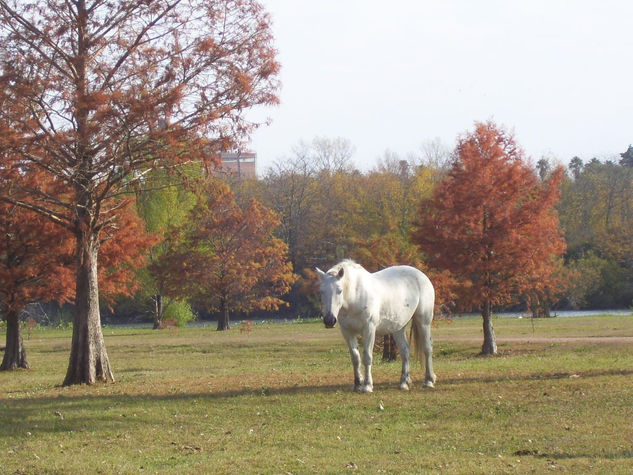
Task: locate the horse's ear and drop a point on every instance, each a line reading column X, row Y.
column 320, row 273
column 340, row 274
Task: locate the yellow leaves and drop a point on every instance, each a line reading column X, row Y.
column 269, row 303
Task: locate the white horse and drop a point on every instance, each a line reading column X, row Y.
column 382, row 303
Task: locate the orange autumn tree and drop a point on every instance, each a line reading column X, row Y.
column 227, row 259
column 98, row 93
column 36, row 262
column 492, row 224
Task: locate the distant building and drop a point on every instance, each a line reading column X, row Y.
column 238, row 165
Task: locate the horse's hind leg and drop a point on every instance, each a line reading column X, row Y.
column 427, row 345
column 424, row 344
column 405, row 354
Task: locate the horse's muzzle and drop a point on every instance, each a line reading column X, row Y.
column 329, row 320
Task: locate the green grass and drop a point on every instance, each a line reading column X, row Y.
column 279, row 400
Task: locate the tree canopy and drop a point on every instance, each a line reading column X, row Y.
column 491, row 223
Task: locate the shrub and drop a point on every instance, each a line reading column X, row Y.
column 180, row 312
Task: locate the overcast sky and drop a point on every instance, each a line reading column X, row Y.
column 393, row 75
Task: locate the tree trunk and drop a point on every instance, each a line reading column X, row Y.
column 389, row 351
column 158, row 311
column 547, row 310
column 89, row 361
column 14, row 353
column 490, row 340
column 541, row 309
column 223, row 319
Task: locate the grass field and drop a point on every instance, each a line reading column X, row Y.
column 279, row 400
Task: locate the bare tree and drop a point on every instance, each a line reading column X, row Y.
column 435, row 154
column 332, row 154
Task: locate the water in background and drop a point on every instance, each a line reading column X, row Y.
column 559, row 313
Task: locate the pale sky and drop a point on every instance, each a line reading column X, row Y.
column 393, row 75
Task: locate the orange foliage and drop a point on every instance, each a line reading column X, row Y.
column 37, row 256
column 124, row 250
column 228, row 258
column 491, row 223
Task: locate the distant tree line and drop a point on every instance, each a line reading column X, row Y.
column 330, row 210
column 322, row 209
column 491, row 230
column 596, row 212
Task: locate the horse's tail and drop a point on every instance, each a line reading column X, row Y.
column 416, row 341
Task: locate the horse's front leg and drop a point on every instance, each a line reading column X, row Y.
column 369, row 335
column 352, row 343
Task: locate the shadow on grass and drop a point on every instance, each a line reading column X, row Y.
column 87, row 413
column 622, row 454
column 118, row 412
column 537, row 377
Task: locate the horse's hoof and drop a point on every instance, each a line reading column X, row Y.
column 367, row 389
column 404, row 386
column 429, row 384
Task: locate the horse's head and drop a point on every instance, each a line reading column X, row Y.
column 331, row 294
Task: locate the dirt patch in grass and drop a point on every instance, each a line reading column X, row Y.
column 540, row 339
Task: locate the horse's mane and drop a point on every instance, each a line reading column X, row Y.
column 351, row 263
column 345, row 263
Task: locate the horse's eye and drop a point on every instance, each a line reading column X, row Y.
column 339, row 291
